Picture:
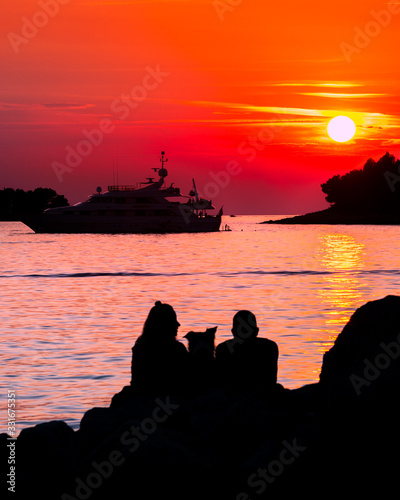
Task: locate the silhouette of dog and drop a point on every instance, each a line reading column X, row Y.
column 201, row 351
column 202, row 344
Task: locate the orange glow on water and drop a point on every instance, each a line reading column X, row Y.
column 74, row 305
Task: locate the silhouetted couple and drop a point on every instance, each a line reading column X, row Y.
column 162, row 365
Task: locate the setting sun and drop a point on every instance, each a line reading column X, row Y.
column 341, row 129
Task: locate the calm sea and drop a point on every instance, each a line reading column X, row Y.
column 73, row 305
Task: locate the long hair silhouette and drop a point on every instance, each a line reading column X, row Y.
column 161, row 323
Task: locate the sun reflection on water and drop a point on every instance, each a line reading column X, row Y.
column 340, row 289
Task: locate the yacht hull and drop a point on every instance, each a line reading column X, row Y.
column 47, row 223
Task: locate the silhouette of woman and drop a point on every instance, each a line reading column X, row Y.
column 159, row 361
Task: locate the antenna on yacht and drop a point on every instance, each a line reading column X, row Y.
column 162, row 160
column 162, row 172
column 195, row 191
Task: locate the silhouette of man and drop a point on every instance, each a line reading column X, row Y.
column 247, row 363
column 159, row 361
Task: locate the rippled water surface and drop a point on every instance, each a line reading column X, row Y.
column 73, row 305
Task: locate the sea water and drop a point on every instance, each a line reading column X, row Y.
column 72, row 306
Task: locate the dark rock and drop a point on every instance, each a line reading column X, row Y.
column 125, row 395
column 364, row 363
column 360, row 386
column 45, row 458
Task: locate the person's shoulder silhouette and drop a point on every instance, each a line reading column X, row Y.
column 247, row 362
column 159, row 361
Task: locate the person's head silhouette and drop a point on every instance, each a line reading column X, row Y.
column 244, row 325
column 161, row 323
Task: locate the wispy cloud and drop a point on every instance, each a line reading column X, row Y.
column 391, row 142
column 67, row 105
column 280, row 110
column 340, row 95
column 316, row 84
column 32, row 106
column 301, row 124
column 252, row 107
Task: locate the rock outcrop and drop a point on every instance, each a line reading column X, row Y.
column 363, row 366
column 331, row 216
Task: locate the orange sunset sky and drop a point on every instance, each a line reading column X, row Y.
column 238, row 93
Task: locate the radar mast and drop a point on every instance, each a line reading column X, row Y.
column 163, row 172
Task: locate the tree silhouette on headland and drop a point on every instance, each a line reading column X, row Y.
column 17, row 202
column 370, row 195
column 373, row 189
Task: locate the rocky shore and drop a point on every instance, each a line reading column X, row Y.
column 339, row 436
column 335, row 217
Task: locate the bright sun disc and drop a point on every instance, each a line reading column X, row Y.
column 341, row 128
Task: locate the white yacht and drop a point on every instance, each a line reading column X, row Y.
column 149, row 207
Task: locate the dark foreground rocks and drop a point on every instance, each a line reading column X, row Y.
column 340, row 436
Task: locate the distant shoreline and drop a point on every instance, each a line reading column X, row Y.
column 332, row 217
column 327, row 217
